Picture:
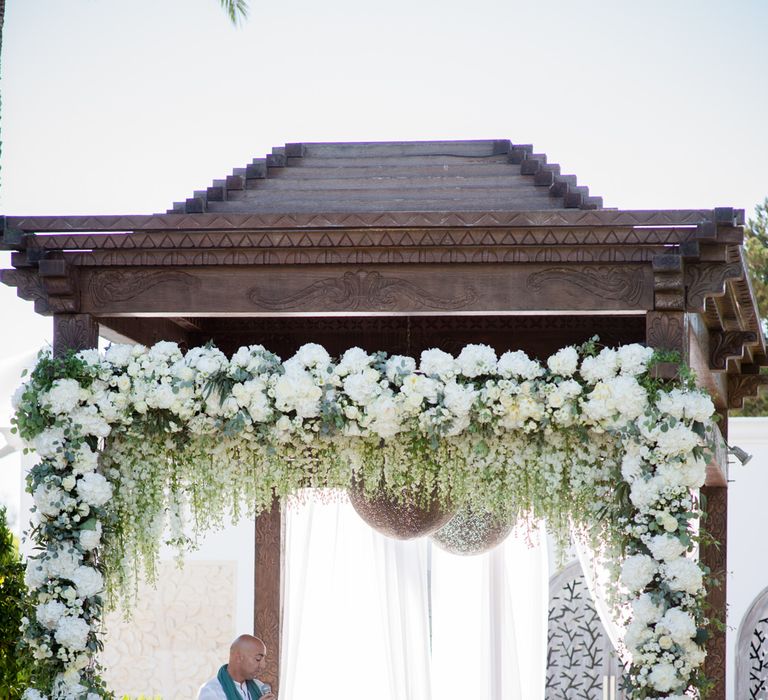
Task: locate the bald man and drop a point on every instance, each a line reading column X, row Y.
column 238, row 680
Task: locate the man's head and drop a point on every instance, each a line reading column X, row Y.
column 247, row 658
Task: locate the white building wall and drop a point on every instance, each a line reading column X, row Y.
column 747, row 528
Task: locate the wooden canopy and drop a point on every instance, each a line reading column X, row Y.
column 403, row 246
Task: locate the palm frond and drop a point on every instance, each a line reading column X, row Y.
column 236, row 10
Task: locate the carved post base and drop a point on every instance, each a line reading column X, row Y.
column 74, row 332
column 268, row 588
column 716, row 558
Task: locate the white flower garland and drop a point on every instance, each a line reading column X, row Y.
column 142, row 443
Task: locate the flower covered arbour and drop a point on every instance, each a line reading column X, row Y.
column 143, row 445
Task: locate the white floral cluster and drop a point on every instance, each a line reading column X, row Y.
column 198, row 434
column 664, row 465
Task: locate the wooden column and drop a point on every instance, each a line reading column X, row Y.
column 268, row 588
column 74, row 332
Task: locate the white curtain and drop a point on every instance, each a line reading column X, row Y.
column 490, row 621
column 356, row 619
column 357, row 615
column 598, row 578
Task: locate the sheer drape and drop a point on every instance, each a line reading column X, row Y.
column 356, row 611
column 358, row 606
column 490, row 622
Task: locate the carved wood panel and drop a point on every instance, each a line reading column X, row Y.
column 715, row 557
column 667, row 330
column 74, row 332
column 268, row 588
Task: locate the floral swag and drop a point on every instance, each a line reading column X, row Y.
column 143, row 445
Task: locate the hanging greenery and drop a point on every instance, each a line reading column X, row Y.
column 144, row 445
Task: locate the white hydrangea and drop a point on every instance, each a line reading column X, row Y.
column 684, row 574
column 309, row 356
column 459, row 398
column 633, row 359
column 516, row 364
column 90, row 539
column 297, row 391
column 48, row 614
column 36, row 573
column 666, row 547
column 677, row 440
column 72, row 632
column 384, row 417
column 564, row 362
column 17, row 396
column 679, row 624
column 416, row 389
column 559, row 394
column 645, row 493
column 684, row 404
column 88, row 581
column 437, row 363
column 636, row 634
column 119, row 355
column 50, row 499
column 86, row 460
column 363, row 387
column 599, row 368
column 63, row 562
column 630, row 397
column 476, row 360
column 645, row 610
column 664, row 677
column 398, row 367
column 49, row 442
column 33, row 694
column 353, row 360
column 637, row 572
column 91, row 422
column 94, row 489
column 632, row 460
column 62, row 397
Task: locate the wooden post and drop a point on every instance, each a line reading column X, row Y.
column 268, row 587
column 74, row 332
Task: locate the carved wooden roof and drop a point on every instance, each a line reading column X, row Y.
column 462, row 229
column 393, row 176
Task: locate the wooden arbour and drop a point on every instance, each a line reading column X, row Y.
column 401, row 247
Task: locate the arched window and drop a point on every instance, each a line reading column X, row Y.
column 752, row 649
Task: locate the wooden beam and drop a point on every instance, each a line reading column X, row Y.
column 366, row 289
column 145, row 331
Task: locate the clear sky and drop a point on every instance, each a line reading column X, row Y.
column 124, row 107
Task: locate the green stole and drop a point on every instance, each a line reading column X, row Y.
column 229, row 686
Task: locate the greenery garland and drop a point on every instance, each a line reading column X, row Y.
column 144, row 445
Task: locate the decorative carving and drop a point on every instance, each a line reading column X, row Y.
column 667, row 331
column 268, row 588
column 28, row 285
column 199, row 222
column 294, row 255
column 742, row 386
column 361, row 289
column 108, row 286
column 74, row 332
column 579, row 653
column 615, row 283
column 399, row 520
column 179, row 633
column 613, row 237
column 715, row 557
column 724, row 345
column 752, row 651
column 708, row 279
